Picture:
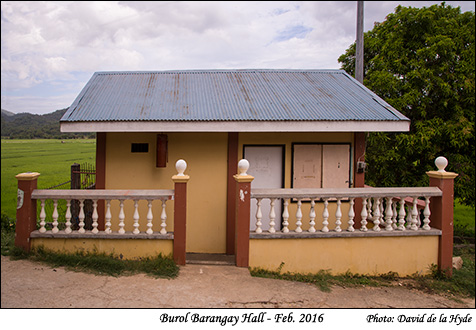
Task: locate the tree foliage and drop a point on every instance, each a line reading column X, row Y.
column 422, row 62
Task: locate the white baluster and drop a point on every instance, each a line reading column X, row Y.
column 351, row 215
column 81, row 216
column 369, row 209
column 401, row 215
column 312, row 216
column 298, row 217
column 163, row 218
column 285, row 216
column 426, row 214
column 388, row 215
column 121, row 217
column 394, row 214
column 325, row 216
column 68, row 229
column 42, row 217
column 55, row 216
column 108, row 217
column 409, row 219
column 136, row 217
column 259, row 215
column 272, row 216
column 376, row 214
column 338, row 215
column 363, row 215
column 418, row 219
column 95, row 217
column 149, row 230
column 414, row 214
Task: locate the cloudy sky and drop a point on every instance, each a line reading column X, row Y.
column 50, row 49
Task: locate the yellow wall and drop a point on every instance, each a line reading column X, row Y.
column 206, row 156
column 128, row 248
column 404, row 255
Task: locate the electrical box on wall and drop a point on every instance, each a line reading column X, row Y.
column 361, row 167
column 162, row 152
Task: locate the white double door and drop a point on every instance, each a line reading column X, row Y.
column 266, row 165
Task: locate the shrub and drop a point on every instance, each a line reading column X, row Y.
column 8, row 224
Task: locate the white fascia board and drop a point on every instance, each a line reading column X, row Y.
column 234, row 126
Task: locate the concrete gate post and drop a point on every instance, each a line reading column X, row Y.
column 242, row 218
column 441, row 209
column 180, row 212
column 26, row 209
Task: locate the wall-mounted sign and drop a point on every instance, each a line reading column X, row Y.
column 20, row 197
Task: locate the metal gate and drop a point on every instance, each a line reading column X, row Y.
column 83, row 176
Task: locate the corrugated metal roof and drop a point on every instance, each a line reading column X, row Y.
column 228, row 95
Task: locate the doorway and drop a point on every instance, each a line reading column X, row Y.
column 267, row 167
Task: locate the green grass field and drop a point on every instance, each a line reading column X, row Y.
column 464, row 219
column 51, row 158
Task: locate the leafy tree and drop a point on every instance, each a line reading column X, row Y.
column 422, row 62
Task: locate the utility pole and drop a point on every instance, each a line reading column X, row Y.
column 359, row 44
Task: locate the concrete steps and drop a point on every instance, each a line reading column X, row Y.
column 210, row 259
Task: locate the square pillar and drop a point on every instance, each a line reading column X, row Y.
column 230, row 199
column 180, row 213
column 441, row 209
column 26, row 209
column 359, row 174
column 242, row 218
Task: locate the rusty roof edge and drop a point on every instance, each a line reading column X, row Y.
column 233, row 120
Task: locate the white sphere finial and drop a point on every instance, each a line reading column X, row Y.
column 180, row 166
column 441, row 163
column 243, row 166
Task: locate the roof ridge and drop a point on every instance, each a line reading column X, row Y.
column 220, row 71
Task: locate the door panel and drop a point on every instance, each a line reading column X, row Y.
column 307, row 166
column 266, row 165
column 336, row 167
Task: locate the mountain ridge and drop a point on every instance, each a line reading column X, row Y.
column 31, row 126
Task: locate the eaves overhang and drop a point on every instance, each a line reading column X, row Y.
column 236, row 126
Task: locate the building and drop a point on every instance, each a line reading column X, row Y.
column 301, row 205
column 297, row 128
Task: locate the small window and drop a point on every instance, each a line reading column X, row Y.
column 139, row 147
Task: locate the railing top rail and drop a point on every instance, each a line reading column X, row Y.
column 346, row 192
column 102, row 194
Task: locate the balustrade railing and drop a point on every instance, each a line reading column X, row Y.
column 107, row 195
column 383, row 209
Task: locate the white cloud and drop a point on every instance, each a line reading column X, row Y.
column 49, row 48
column 41, row 105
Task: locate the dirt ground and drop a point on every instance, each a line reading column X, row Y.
column 27, row 284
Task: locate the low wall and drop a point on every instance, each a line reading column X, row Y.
column 128, row 248
column 405, row 255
